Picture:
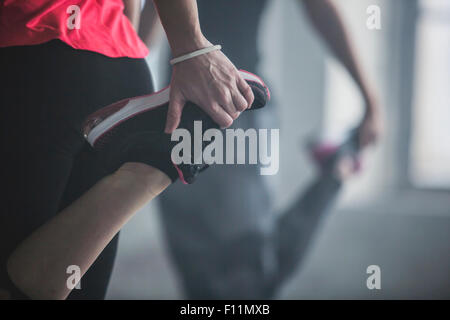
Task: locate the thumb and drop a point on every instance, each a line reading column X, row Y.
column 176, row 106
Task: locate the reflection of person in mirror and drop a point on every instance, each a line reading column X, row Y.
column 239, row 248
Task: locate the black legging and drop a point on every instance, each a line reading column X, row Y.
column 46, row 91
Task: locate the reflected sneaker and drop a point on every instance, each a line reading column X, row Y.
column 330, row 156
column 132, row 130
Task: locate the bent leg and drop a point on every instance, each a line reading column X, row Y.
column 86, row 171
column 51, row 88
column 78, row 234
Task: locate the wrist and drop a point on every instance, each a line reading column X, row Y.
column 371, row 102
column 189, row 44
column 371, row 112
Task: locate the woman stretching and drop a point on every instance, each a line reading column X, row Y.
column 61, row 62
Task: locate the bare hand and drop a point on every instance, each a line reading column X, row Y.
column 371, row 127
column 213, row 83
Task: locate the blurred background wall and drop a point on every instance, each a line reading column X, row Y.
column 396, row 214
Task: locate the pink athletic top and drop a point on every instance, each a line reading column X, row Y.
column 94, row 25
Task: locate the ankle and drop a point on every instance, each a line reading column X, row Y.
column 148, row 177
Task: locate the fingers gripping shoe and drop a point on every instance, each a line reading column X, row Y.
column 132, row 130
